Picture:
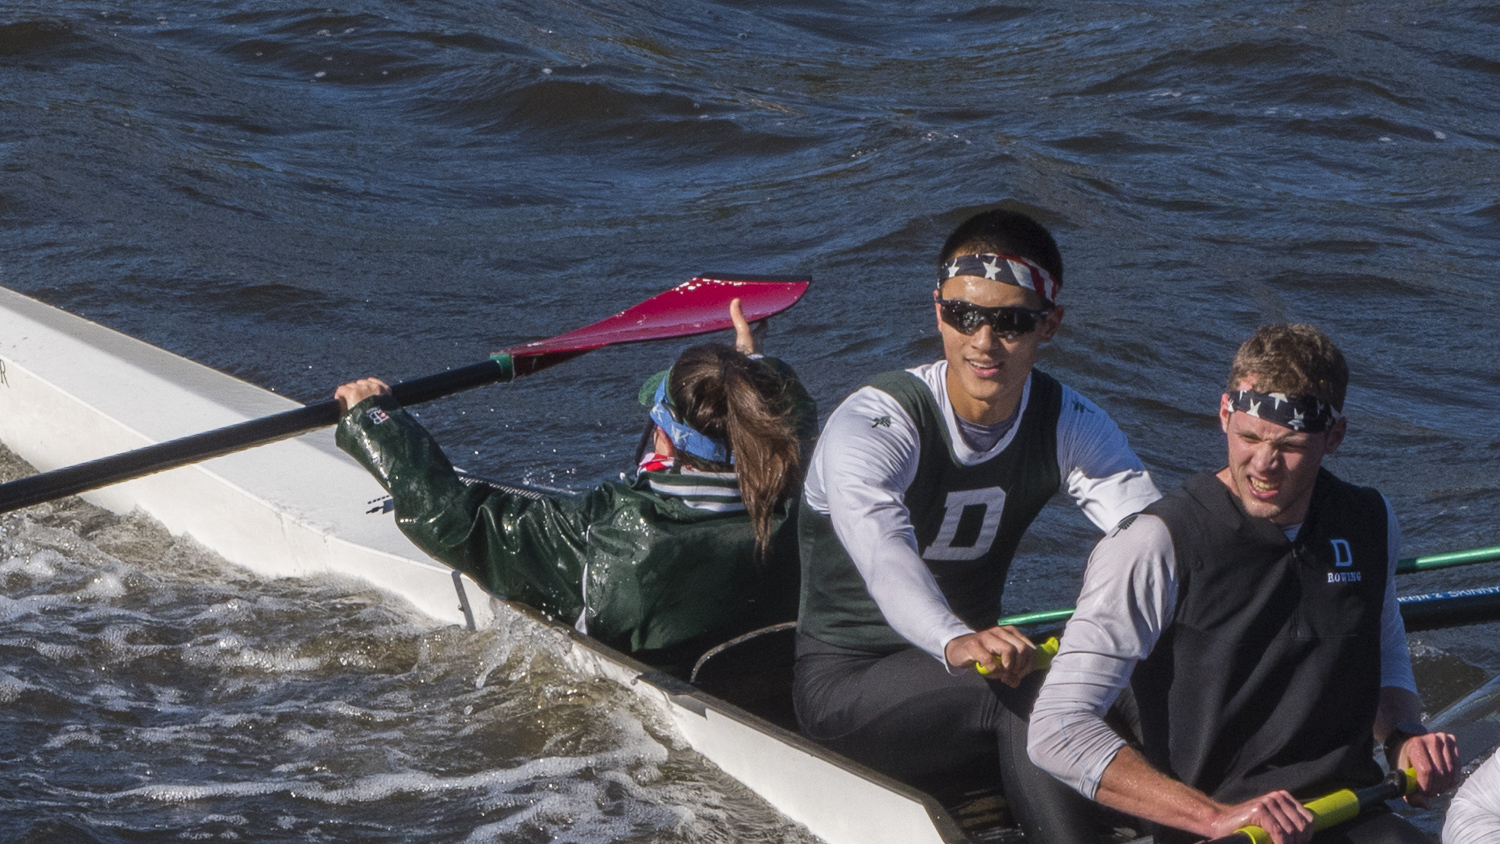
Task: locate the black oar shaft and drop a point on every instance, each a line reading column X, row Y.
column 1450, row 609
column 180, row 452
column 429, row 387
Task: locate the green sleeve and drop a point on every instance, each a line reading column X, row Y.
column 523, row 549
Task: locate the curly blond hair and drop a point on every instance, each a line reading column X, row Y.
column 1295, row 359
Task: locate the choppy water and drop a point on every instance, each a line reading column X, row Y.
column 153, row 692
column 300, row 195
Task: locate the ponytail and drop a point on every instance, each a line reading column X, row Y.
column 743, row 403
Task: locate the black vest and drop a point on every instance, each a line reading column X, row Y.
column 967, row 519
column 1269, row 675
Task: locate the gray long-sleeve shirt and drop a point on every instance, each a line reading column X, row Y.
column 1129, row 598
column 1474, row 814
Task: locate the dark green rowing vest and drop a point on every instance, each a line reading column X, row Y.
column 968, row 520
column 1269, row 675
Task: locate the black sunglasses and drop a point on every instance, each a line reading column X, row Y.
column 967, row 317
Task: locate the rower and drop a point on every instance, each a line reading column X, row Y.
column 921, row 486
column 1253, row 614
column 698, row 548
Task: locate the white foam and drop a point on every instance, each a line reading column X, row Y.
column 11, row 688
column 74, row 734
column 40, row 565
column 105, row 585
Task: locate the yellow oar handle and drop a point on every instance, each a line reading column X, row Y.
column 1041, row 662
column 1343, row 805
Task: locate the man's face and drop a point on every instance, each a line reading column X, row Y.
column 1271, row 468
column 986, row 372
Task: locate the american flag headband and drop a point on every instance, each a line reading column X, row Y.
column 683, row 436
column 1302, row 413
column 1008, row 269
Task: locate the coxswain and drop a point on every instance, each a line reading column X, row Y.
column 698, row 548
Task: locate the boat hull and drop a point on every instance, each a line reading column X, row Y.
column 72, row 390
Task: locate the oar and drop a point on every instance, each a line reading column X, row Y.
column 1410, row 565
column 1335, row 808
column 1434, row 611
column 1440, row 610
column 1041, row 662
column 1432, row 562
column 694, row 307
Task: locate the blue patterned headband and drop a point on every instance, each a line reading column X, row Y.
column 684, row 437
column 1302, row 413
column 1008, row 269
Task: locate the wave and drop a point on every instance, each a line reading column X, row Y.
column 39, row 39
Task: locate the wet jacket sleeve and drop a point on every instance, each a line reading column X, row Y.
column 523, row 549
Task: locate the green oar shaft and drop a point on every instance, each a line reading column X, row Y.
column 1039, row 617
column 1334, row 809
column 1410, row 565
column 1432, row 562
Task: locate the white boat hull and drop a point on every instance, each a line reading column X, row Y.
column 72, row 391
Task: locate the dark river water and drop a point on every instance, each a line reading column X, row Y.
column 302, row 195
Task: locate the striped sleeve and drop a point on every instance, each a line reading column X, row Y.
column 714, row 492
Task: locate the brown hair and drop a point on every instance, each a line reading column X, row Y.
column 1292, row 358
column 726, row 395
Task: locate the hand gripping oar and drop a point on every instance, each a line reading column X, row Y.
column 1335, row 808
column 1040, row 662
column 694, row 307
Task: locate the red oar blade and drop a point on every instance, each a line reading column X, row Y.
column 694, row 307
column 698, row 306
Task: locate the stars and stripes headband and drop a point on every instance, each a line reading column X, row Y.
column 1009, row 269
column 1302, row 413
column 683, row 436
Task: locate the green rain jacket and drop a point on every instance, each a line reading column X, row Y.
column 662, row 568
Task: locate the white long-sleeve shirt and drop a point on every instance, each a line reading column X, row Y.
column 1129, row 598
column 1474, row 814
column 860, row 481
